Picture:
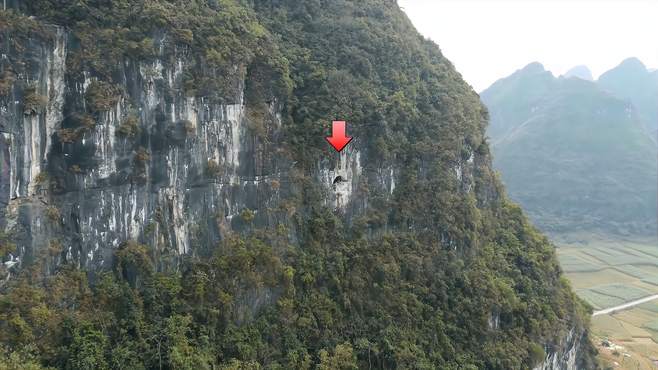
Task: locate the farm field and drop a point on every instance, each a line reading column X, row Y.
column 610, row 295
column 606, row 273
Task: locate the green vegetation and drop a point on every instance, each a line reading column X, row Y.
column 247, row 215
column 599, row 300
column 33, row 102
column 53, row 214
column 612, row 276
column 651, row 280
column 576, row 264
column 70, row 135
column 17, row 31
column 142, row 156
column 22, row 359
column 614, row 256
column 614, row 284
column 129, row 127
column 41, row 178
column 622, row 291
column 653, row 325
column 632, row 271
column 101, row 96
column 649, row 250
column 415, row 282
column 212, row 38
column 332, row 303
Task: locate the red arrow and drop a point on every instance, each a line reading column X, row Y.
column 338, row 139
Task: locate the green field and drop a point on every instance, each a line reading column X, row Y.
column 606, row 273
column 651, row 280
column 652, row 325
column 577, row 264
column 633, row 271
column 624, row 292
column 650, row 306
column 616, row 257
column 609, row 295
column 598, row 300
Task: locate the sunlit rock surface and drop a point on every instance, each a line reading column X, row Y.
column 178, row 184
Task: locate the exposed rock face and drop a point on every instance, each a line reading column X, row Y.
column 567, row 355
column 27, row 138
column 111, row 191
column 194, row 166
column 344, row 177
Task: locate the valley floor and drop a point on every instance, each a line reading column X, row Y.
column 611, row 273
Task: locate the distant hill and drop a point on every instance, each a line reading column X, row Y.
column 515, row 98
column 631, row 80
column 575, row 155
column 581, row 72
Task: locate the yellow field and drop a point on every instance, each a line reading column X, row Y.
column 608, row 272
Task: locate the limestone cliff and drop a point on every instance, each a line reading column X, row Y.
column 189, row 140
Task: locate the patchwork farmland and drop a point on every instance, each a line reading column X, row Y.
column 607, row 273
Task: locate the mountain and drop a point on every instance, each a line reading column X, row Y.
column 169, row 200
column 512, row 106
column 581, row 72
column 575, row 156
column 632, row 81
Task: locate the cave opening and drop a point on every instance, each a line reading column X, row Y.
column 339, row 179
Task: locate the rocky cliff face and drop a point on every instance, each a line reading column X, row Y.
column 30, row 116
column 567, row 356
column 179, row 176
column 407, row 225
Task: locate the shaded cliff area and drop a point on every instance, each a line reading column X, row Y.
column 169, row 201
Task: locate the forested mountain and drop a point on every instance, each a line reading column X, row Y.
column 169, row 200
column 632, row 81
column 577, row 154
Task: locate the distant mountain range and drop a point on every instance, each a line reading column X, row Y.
column 632, row 81
column 581, row 72
column 577, row 154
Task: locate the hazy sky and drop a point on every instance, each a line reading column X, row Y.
column 490, row 39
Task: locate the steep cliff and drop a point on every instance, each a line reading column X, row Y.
column 169, row 199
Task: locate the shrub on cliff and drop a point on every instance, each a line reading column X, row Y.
column 129, row 127
column 33, row 102
column 101, row 96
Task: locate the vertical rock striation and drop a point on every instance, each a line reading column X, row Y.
column 190, row 169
